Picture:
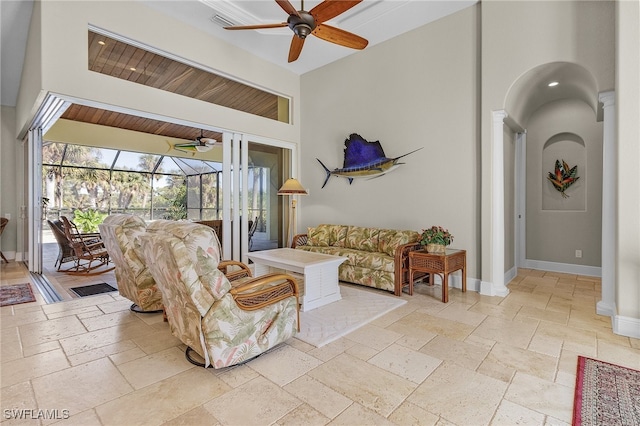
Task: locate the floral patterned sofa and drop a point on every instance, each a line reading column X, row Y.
column 376, row 257
column 224, row 322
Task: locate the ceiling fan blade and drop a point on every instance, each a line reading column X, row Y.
column 287, row 7
column 296, row 47
column 256, row 27
column 329, row 9
column 341, row 37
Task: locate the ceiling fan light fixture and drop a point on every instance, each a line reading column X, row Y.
column 203, row 148
column 302, row 30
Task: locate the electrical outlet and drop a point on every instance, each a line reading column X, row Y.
column 578, row 253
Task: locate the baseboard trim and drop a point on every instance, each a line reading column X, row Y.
column 626, row 326
column 567, row 268
column 605, row 309
column 510, row 274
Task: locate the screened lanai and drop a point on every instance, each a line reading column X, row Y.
column 105, row 181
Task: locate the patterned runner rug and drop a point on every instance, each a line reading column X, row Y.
column 327, row 323
column 15, row 294
column 606, row 394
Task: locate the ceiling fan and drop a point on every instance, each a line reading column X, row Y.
column 199, row 144
column 303, row 23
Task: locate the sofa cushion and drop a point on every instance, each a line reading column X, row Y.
column 391, row 239
column 319, row 236
column 359, row 238
column 338, row 235
column 327, row 235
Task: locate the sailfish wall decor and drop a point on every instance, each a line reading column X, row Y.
column 363, row 159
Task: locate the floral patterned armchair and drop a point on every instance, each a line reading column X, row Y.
column 120, row 234
column 224, row 322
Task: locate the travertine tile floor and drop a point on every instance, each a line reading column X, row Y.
column 477, row 360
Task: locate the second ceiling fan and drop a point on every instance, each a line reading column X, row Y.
column 303, row 23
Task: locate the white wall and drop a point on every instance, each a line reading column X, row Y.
column 9, row 204
column 509, row 139
column 519, row 36
column 64, row 26
column 557, row 229
column 628, row 134
column 418, row 90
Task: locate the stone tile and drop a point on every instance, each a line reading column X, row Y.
column 84, row 418
column 318, row 396
column 460, row 312
column 546, row 345
column 396, row 314
column 268, row 403
column 197, row 416
column 29, row 368
column 362, row 352
column 333, row 349
column 517, row 334
column 156, row 341
column 404, row 362
column 291, row 364
column 185, row 391
column 236, row 375
column 454, row 394
column 154, row 368
column 303, row 415
column 543, row 315
column 542, row 396
column 104, row 337
column 455, row 352
column 126, row 355
column 81, row 387
column 356, row 414
column 510, row 414
column 22, row 318
column 416, row 342
column 522, row 360
column 421, row 325
column 507, row 312
column 16, row 397
column 375, row 389
column 517, row 298
column 109, row 320
column 615, row 354
column 101, row 352
column 410, row 414
column 47, row 331
column 574, row 339
column 375, row 337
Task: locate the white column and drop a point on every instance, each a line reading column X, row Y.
column 497, row 287
column 606, row 306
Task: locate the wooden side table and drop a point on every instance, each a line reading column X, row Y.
column 438, row 263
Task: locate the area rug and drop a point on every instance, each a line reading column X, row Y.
column 606, row 394
column 16, row 294
column 93, row 289
column 327, row 323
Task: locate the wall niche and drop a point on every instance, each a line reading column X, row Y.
column 570, row 148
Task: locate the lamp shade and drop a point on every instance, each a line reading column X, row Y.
column 292, row 187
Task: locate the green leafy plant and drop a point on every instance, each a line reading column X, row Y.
column 88, row 220
column 436, row 235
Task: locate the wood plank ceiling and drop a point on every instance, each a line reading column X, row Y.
column 121, row 60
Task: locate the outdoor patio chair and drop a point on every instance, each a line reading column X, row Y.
column 225, row 323
column 120, row 234
column 65, row 251
column 89, row 254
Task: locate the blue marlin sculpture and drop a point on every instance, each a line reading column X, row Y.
column 363, row 159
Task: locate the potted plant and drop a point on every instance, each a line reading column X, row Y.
column 436, row 239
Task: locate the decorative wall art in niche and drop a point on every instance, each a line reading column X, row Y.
column 363, row 159
column 564, row 158
column 563, row 177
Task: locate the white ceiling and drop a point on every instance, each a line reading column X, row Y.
column 375, row 20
